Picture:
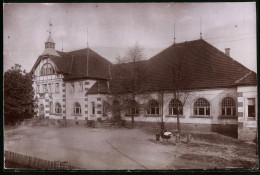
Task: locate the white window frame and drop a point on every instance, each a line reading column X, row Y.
column 205, row 107
column 77, row 109
column 57, row 87
column 58, row 109
column 226, row 106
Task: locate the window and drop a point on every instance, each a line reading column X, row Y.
column 37, row 88
column 228, row 106
column 57, row 87
column 132, row 108
column 174, row 106
column 201, row 107
column 71, row 87
column 93, row 107
column 251, row 107
column 49, row 87
column 153, row 107
column 80, row 86
column 57, row 108
column 77, row 108
column 45, row 88
column 47, row 69
column 51, row 107
column 105, row 108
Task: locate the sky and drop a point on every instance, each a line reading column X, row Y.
column 111, row 28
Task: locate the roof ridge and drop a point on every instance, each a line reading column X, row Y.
column 242, row 78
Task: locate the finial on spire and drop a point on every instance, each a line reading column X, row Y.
column 200, row 27
column 50, row 25
column 174, row 33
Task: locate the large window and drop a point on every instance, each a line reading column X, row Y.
column 51, row 107
column 153, row 107
column 132, row 108
column 57, row 108
column 71, row 87
column 45, row 89
column 251, row 107
column 228, row 106
column 201, row 107
column 93, row 108
column 77, row 108
column 105, row 108
column 49, row 87
column 38, row 89
column 47, row 69
column 57, row 87
column 174, row 106
column 80, row 86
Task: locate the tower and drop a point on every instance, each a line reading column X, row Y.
column 50, row 44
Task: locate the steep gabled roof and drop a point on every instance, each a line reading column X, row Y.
column 74, row 64
column 202, row 66
column 96, row 67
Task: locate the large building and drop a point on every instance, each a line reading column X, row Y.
column 222, row 92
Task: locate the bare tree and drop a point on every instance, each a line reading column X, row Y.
column 127, row 78
column 178, row 87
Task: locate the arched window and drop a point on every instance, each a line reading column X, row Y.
column 47, row 69
column 228, row 106
column 131, row 108
column 57, row 108
column 77, row 108
column 153, row 107
column 174, row 105
column 201, row 107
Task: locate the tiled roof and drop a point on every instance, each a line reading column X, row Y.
column 203, row 66
column 74, row 64
column 248, row 79
column 100, row 87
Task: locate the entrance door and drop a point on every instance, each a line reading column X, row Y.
column 41, row 111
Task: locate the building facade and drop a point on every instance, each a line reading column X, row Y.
column 222, row 92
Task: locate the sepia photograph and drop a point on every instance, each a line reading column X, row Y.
column 130, row 86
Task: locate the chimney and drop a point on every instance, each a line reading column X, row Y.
column 227, row 51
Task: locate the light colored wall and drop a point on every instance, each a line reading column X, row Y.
column 213, row 96
column 98, row 100
column 77, row 96
column 246, row 92
column 55, row 96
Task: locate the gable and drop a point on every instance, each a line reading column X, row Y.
column 40, row 63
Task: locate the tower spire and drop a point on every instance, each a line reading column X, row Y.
column 87, row 52
column 50, row 25
column 50, row 44
column 200, row 27
column 174, row 33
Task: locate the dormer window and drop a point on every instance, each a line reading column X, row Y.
column 47, row 69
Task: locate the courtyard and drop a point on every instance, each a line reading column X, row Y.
column 122, row 148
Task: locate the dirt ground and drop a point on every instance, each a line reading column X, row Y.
column 122, row 148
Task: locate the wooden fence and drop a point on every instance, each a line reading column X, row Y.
column 37, row 163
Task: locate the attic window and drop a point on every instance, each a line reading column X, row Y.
column 47, row 69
